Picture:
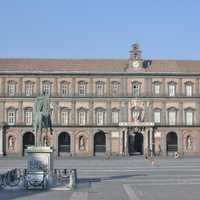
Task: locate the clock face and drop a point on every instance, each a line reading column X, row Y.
column 136, row 64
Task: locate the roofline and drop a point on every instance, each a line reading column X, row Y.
column 93, row 59
column 98, row 73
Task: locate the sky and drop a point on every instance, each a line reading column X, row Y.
column 165, row 29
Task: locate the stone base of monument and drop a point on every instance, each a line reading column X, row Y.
column 39, row 168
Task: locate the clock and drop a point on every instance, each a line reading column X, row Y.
column 135, row 64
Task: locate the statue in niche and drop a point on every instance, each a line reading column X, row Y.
column 82, row 143
column 189, row 143
column 11, row 143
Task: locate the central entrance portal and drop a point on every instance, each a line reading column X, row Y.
column 99, row 143
column 135, row 143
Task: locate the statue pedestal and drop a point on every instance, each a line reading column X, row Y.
column 40, row 159
column 40, row 167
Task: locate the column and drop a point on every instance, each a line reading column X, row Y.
column 180, row 92
column 124, row 91
column 73, row 117
column 73, row 86
column 55, row 112
column 91, row 143
column 108, row 144
column 163, row 116
column 108, row 87
column 2, row 111
column 147, row 86
column 163, row 144
column 197, row 113
column 20, row 85
column 108, row 111
column 3, row 88
column 73, row 143
column 56, row 92
column 91, row 87
column 1, row 141
column 163, row 87
column 38, row 89
column 180, row 114
column 20, row 113
column 180, row 142
column 196, row 91
column 126, row 143
column 125, row 111
column 91, row 107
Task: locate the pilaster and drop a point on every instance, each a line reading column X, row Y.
column 38, row 87
column 1, row 140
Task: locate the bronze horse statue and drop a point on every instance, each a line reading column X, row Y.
column 42, row 119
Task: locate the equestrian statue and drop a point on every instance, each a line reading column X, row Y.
column 42, row 119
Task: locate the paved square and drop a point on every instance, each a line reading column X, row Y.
column 129, row 178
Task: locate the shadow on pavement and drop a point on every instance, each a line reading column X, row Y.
column 100, row 179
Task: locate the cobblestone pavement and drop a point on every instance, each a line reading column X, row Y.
column 128, row 178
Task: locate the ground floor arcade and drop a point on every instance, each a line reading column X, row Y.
column 81, row 141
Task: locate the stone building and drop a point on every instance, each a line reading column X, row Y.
column 105, row 106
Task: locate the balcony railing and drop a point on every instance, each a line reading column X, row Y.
column 119, row 95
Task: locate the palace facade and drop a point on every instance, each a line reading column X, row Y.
column 105, row 106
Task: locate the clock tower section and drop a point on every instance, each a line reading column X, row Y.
column 135, row 60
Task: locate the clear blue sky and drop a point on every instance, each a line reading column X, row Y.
column 165, row 29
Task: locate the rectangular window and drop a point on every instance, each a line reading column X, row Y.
column 136, row 90
column 64, row 90
column 115, row 88
column 28, row 89
column 64, row 117
column 189, row 117
column 115, row 117
column 188, row 90
column 28, row 117
column 11, row 117
column 11, row 89
column 100, row 89
column 100, row 118
column 46, row 88
column 157, row 116
column 82, row 117
column 172, row 90
column 82, row 89
column 156, row 89
column 172, row 117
